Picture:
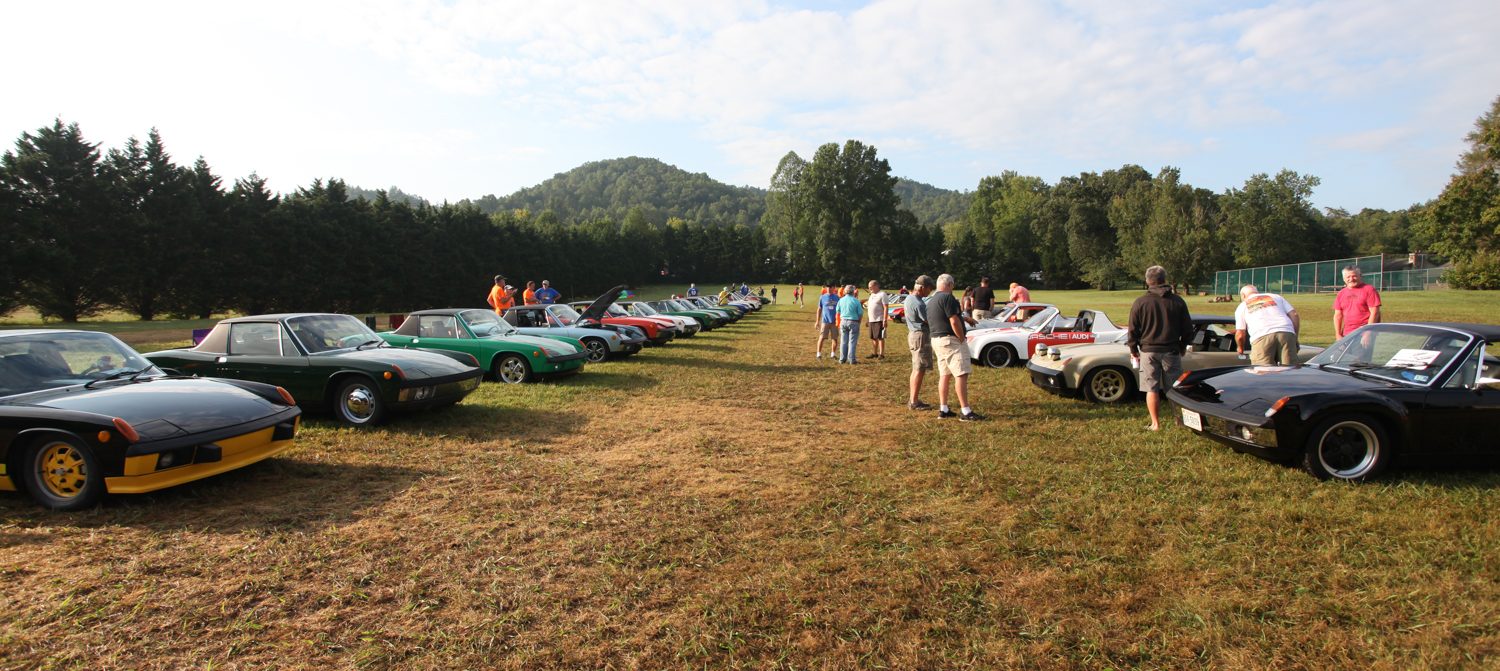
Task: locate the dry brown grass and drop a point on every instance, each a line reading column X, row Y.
column 728, row 502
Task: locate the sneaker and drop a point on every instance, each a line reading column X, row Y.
column 819, row 355
column 918, row 406
column 945, row 414
column 872, row 356
column 971, row 416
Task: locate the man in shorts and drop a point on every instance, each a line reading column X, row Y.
column 824, row 321
column 918, row 340
column 947, row 323
column 1268, row 325
column 1160, row 331
column 875, row 315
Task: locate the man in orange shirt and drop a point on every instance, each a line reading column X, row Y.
column 500, row 299
column 528, row 296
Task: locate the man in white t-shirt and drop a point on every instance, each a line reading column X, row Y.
column 1272, row 326
column 875, row 315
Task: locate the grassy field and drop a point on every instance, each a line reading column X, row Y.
column 729, row 502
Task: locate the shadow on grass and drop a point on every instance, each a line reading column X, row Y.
column 697, row 346
column 740, row 366
column 280, row 493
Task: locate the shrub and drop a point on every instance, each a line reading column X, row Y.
column 1480, row 271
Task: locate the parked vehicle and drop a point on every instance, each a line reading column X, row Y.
column 600, row 341
column 688, row 326
column 82, row 414
column 328, row 362
column 658, row 330
column 509, row 355
column 1009, row 346
column 1383, row 393
column 1101, row 372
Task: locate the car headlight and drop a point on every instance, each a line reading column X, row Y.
column 1054, row 353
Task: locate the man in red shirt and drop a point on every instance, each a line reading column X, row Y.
column 1019, row 294
column 1356, row 305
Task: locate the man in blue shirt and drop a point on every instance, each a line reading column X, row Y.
column 851, row 312
column 693, row 289
column 918, row 339
column 825, row 318
column 547, row 295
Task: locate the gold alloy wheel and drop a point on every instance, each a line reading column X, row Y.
column 61, row 469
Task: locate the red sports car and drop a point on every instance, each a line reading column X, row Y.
column 659, row 330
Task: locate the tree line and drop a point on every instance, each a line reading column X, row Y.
column 88, row 230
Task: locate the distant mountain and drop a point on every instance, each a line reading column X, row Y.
column 609, row 189
column 393, row 193
column 932, row 205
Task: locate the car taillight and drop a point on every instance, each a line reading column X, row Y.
column 126, row 430
column 1278, row 405
column 286, row 396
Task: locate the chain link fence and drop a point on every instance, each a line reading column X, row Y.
column 1326, row 277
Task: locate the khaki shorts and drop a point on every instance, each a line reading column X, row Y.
column 1274, row 348
column 877, row 330
column 826, row 329
column 921, row 350
column 952, row 355
column 1159, row 370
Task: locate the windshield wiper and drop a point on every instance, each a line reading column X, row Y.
column 375, row 342
column 115, row 376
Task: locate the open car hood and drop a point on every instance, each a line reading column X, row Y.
column 595, row 311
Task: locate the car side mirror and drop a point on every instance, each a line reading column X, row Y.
column 1487, row 383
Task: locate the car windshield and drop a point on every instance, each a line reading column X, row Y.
column 1399, row 352
column 486, row 324
column 616, row 311
column 326, row 333
column 564, row 315
column 46, row 361
column 1039, row 319
column 643, row 309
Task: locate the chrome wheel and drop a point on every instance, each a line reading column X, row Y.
column 597, row 350
column 359, row 404
column 511, row 369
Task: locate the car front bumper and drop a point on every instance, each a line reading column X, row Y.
column 1050, row 379
column 156, row 467
column 1255, row 434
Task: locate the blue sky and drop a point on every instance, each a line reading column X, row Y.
column 450, row 100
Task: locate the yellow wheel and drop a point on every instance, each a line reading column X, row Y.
column 62, row 474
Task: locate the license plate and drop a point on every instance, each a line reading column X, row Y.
column 1192, row 420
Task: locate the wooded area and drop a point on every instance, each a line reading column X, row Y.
column 88, row 230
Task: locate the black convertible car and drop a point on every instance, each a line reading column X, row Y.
column 1382, row 393
column 82, row 413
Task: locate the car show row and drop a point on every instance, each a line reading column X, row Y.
column 82, row 414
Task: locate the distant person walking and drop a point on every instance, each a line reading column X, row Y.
column 547, row 295
column 1268, row 325
column 724, row 296
column 918, row 340
column 528, row 297
column 1356, row 305
column 825, row 319
column 875, row 315
column 1160, row 330
column 947, row 323
column 773, row 294
column 851, row 312
column 499, row 298
column 984, row 300
column 1019, row 294
column 797, row 296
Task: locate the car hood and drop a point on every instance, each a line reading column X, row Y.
column 160, row 407
column 595, row 310
column 548, row 345
column 415, row 364
column 1253, row 389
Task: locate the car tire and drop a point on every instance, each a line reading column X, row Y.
column 1108, row 384
column 1350, row 447
column 62, row 473
column 512, row 369
column 999, row 355
column 358, row 403
column 597, row 349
